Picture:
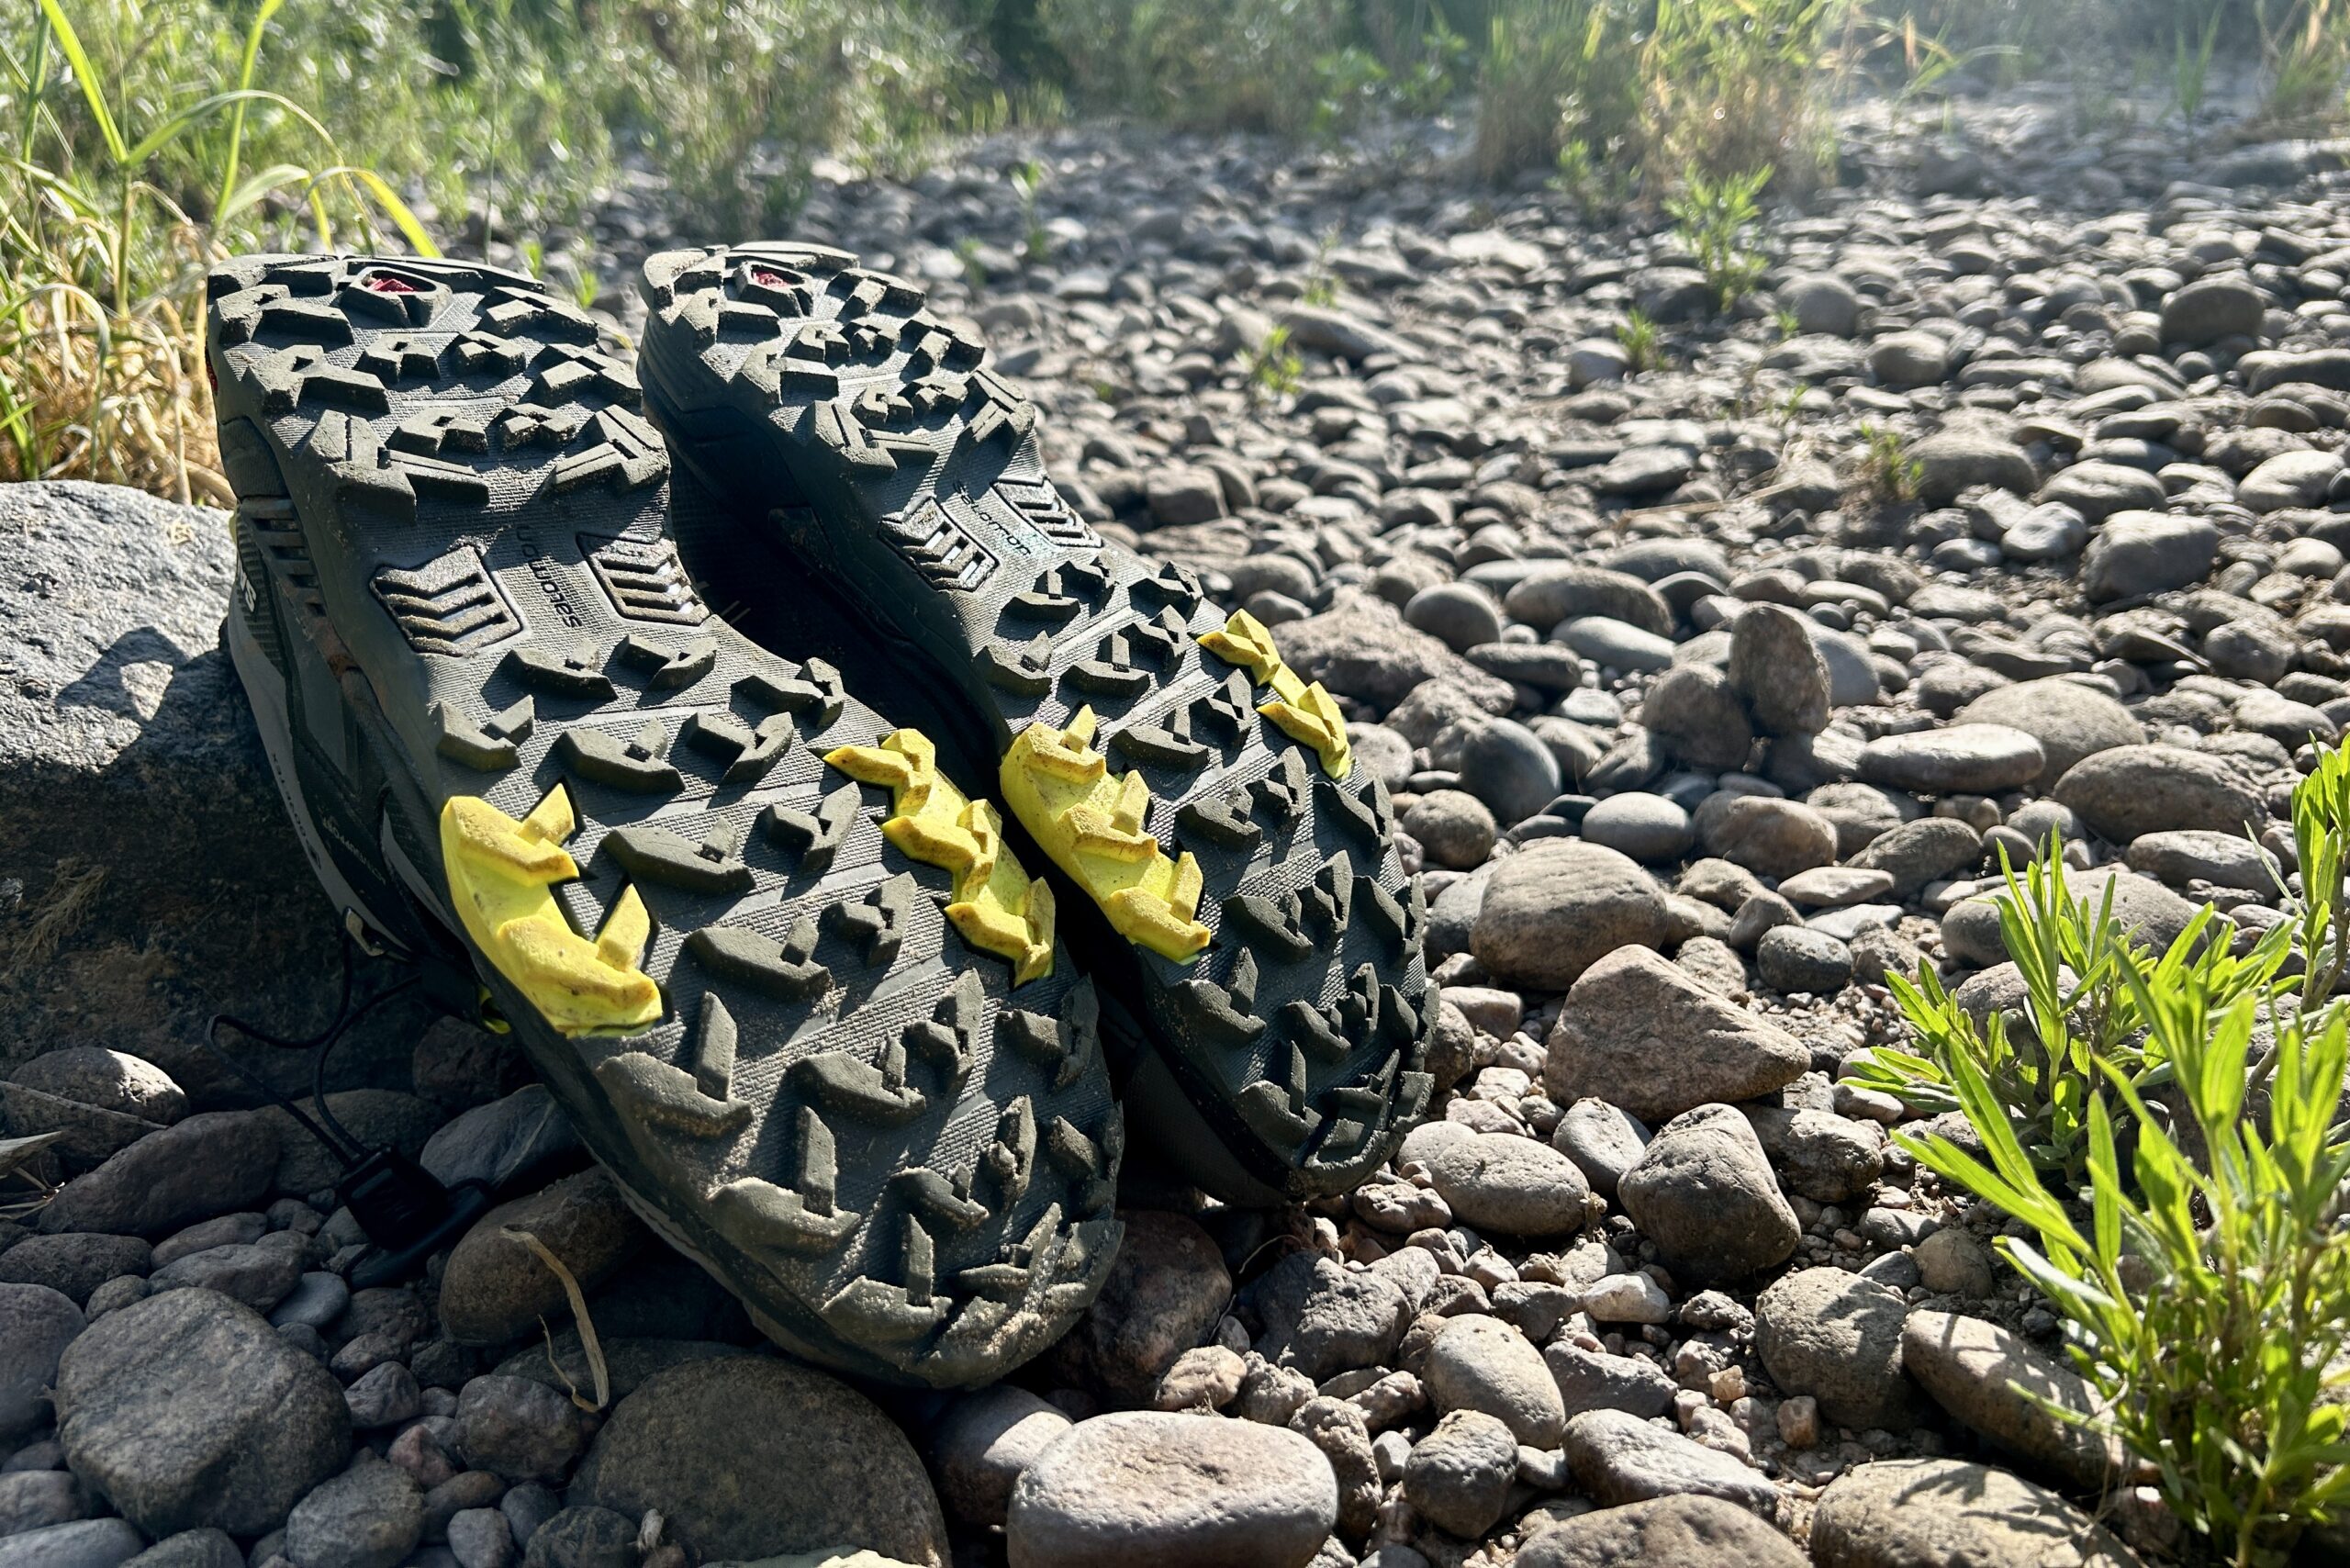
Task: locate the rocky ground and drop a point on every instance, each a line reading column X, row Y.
column 1698, row 730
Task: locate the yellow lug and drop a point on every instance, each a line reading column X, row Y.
column 499, row 872
column 1090, row 823
column 1305, row 713
column 997, row 907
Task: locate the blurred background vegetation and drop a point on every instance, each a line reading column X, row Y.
column 139, row 139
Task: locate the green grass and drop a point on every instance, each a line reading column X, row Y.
column 176, row 131
column 1717, row 217
column 1600, row 88
column 116, row 197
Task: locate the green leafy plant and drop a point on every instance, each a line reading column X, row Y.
column 1285, row 66
column 1889, row 473
column 974, row 271
column 1733, row 85
column 1713, row 217
column 1556, row 74
column 2084, row 980
column 1028, row 182
column 2204, row 1272
column 1638, row 338
column 1602, row 184
column 1275, row 369
column 2209, row 1293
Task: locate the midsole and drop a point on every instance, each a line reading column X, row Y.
column 265, row 691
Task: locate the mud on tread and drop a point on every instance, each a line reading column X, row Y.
column 832, row 397
column 842, row 1107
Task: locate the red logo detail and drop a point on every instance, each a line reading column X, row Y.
column 767, row 279
column 384, row 283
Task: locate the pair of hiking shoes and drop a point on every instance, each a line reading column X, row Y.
column 855, row 841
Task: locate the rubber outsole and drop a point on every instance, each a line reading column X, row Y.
column 762, row 952
column 1223, row 868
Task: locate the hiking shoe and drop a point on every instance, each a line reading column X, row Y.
column 790, row 984
column 1230, row 876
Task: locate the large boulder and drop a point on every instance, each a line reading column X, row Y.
column 126, row 747
column 748, row 1457
column 189, row 1410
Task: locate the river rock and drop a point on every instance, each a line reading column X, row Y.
column 2142, row 552
column 1482, row 1363
column 495, row 1288
column 1559, row 906
column 1938, row 1513
column 1162, row 1295
column 2131, row 790
column 1618, row 1457
column 1973, row 1369
column 100, row 1100
column 1836, row 1336
column 1145, row 1489
column 984, row 1443
column 1704, row 1192
column 1511, row 1185
column 1973, row 759
column 1776, row 667
column 746, row 1457
column 208, row 1164
column 369, row 1516
column 2070, row 719
column 1684, row 1532
column 187, row 1409
column 1459, row 1476
column 1639, row 1033
column 36, row 1323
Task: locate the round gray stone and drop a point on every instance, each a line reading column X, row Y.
column 1972, row 759
column 1683, row 1531
column 1145, row 1489
column 189, row 1410
column 1935, row 1513
column 1557, row 907
column 1836, row 1336
column 1648, row 828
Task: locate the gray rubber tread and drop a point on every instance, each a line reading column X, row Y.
column 830, row 400
column 470, row 512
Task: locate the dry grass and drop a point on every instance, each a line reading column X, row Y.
column 102, row 262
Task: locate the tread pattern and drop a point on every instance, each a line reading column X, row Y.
column 1192, row 794
column 834, row 1096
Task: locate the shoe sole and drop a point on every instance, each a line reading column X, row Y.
column 795, row 991
column 1224, row 868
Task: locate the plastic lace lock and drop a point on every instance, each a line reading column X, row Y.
column 406, row 1212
